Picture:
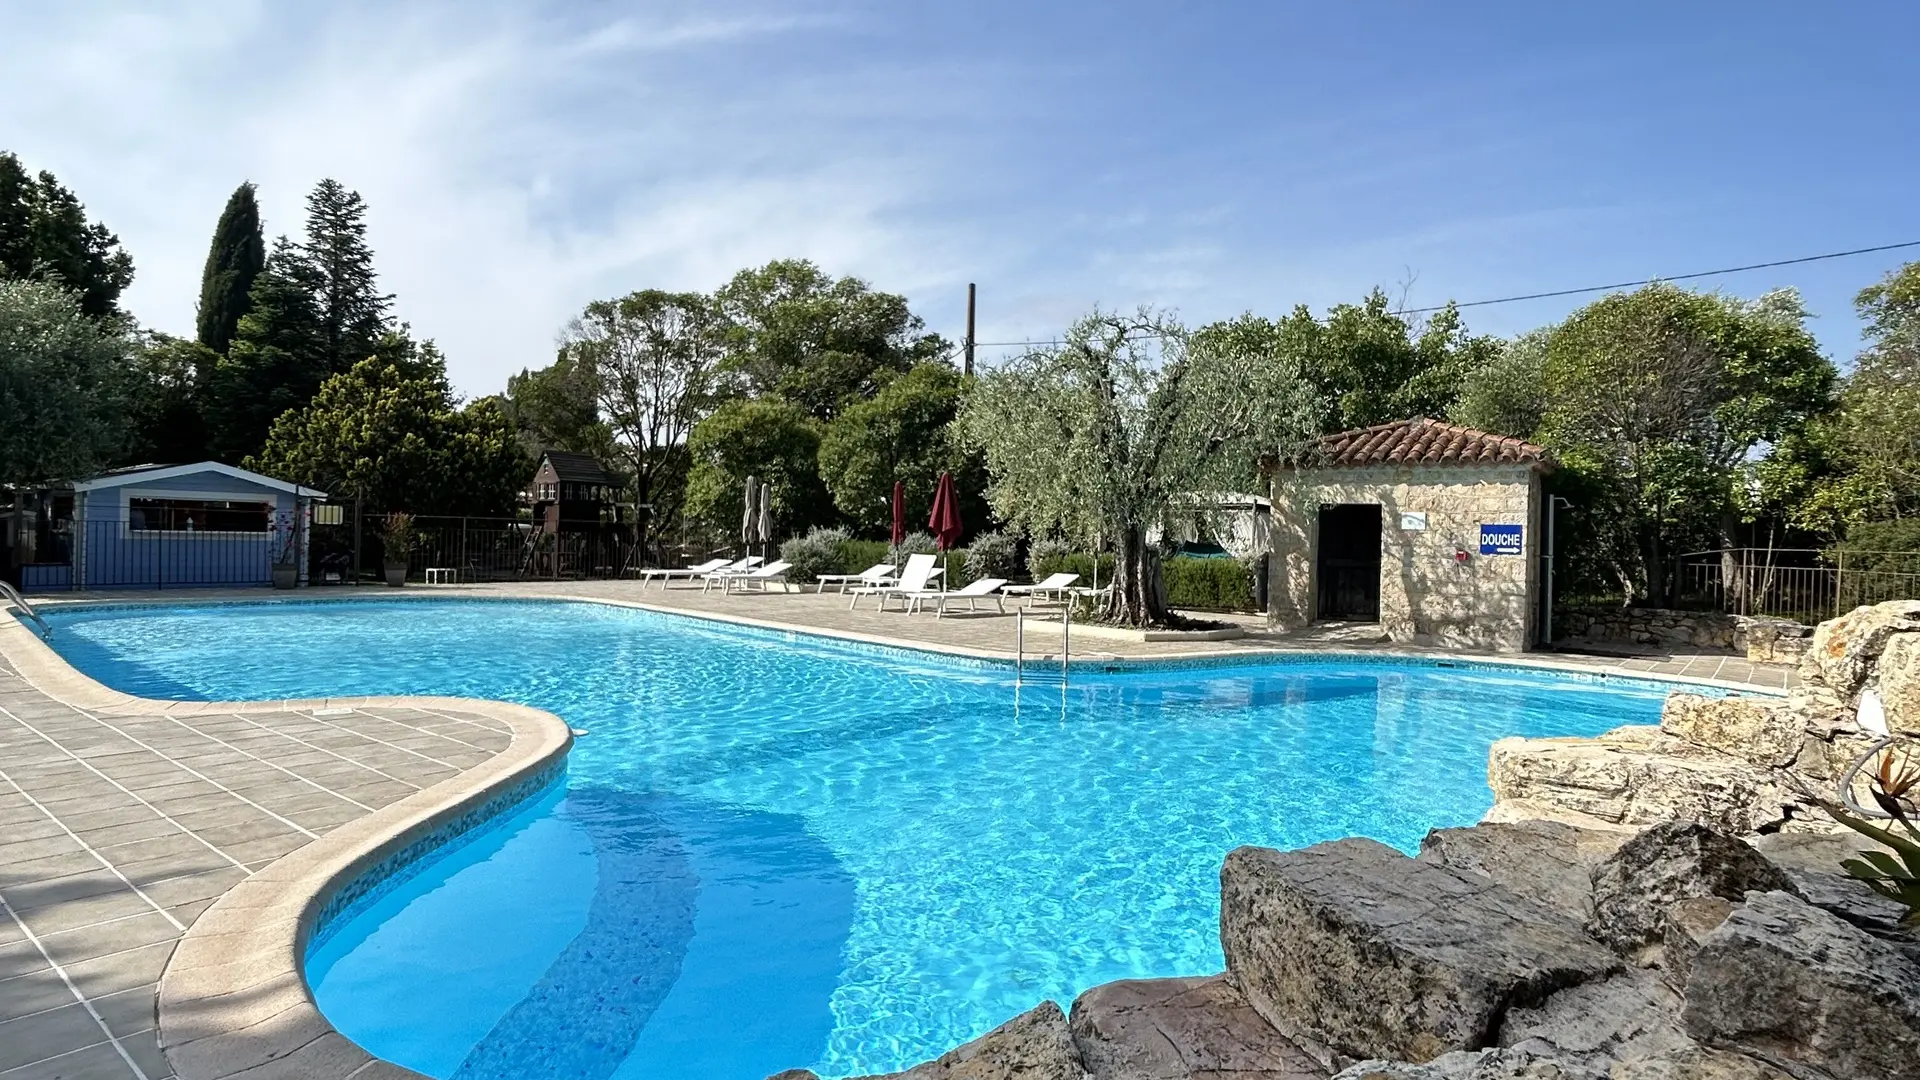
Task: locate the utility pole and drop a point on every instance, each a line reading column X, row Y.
column 970, row 297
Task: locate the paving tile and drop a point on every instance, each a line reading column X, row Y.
column 53, row 918
column 120, row 971
column 97, row 1062
column 36, row 848
column 88, row 883
column 35, row 828
column 129, row 1012
column 69, row 947
column 44, row 1035
column 205, row 886
column 38, row 991
column 144, row 1046
column 114, row 835
column 21, row 957
column 128, row 812
column 47, row 866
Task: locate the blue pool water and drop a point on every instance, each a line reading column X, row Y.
column 775, row 851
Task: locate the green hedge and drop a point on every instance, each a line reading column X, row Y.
column 1212, row 584
column 1075, row 563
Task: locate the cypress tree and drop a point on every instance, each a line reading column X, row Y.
column 277, row 357
column 234, row 259
column 353, row 313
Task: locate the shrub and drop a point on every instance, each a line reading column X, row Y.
column 857, row 555
column 993, row 554
column 821, row 551
column 1044, row 553
column 1211, row 584
column 1072, row 563
column 916, row 543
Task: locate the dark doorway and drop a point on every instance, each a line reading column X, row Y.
column 1349, row 564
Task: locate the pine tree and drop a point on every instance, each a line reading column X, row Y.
column 353, row 313
column 234, row 259
column 278, row 356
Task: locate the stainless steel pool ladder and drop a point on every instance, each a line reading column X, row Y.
column 1020, row 643
column 12, row 596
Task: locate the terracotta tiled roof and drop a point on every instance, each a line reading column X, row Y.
column 1419, row 441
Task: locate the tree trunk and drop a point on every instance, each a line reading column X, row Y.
column 1139, row 598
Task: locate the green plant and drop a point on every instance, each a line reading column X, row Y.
column 857, row 555
column 1209, row 584
column 1895, row 876
column 993, row 554
column 397, row 537
column 1072, row 563
column 821, row 551
column 915, row 543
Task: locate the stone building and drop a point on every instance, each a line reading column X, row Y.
column 1428, row 529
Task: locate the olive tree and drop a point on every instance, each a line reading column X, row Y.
column 1119, row 426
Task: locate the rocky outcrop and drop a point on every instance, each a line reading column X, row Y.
column 1667, row 863
column 1496, row 1064
column 1549, row 862
column 1696, row 1063
column 1749, row 766
column 1846, row 650
column 1181, row 1029
column 1354, row 950
column 1624, row 1018
column 1758, row 731
column 1812, row 863
column 1641, row 776
column 1786, row 982
column 1684, row 928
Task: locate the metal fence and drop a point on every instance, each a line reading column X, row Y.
column 473, row 549
column 1802, row 584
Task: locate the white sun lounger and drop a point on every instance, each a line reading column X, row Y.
column 877, row 574
column 913, row 578
column 1053, row 590
column 973, row 592
column 744, row 566
column 773, row 571
column 666, row 575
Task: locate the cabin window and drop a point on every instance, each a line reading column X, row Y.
column 198, row 515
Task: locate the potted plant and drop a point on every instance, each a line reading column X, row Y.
column 396, row 540
column 286, row 551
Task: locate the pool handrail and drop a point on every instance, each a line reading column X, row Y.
column 12, row 596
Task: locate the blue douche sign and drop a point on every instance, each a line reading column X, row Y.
column 1500, row 539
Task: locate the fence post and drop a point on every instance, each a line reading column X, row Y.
column 1840, row 584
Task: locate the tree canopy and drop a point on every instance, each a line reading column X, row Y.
column 820, row 342
column 235, row 257
column 767, row 438
column 64, row 385
column 389, row 432
column 45, row 236
column 904, row 434
column 1105, row 435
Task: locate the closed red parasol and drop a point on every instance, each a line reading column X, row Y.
column 899, row 513
column 944, row 522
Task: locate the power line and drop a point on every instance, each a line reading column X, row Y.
column 1670, row 277
column 1574, row 292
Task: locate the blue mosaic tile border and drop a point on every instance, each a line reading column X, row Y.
column 942, row 658
column 369, row 888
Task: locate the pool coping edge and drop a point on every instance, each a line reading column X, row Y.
column 233, row 997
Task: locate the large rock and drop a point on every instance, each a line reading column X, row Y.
column 1546, row 861
column 1786, row 982
column 1355, row 951
column 1677, row 861
column 1684, row 928
column 1696, row 1063
column 1181, row 1029
column 1811, row 862
column 1761, row 732
column 1624, row 1018
column 1641, row 776
column 1845, row 650
column 1899, row 682
column 1035, row 1045
column 1495, row 1064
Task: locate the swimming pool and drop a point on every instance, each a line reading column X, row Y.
column 774, row 850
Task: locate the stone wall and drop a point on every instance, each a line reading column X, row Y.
column 1427, row 595
column 1765, row 640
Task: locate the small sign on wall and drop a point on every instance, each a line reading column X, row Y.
column 1413, row 521
column 1500, row 539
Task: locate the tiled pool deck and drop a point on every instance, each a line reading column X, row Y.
column 122, row 821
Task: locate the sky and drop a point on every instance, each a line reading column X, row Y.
column 521, row 159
